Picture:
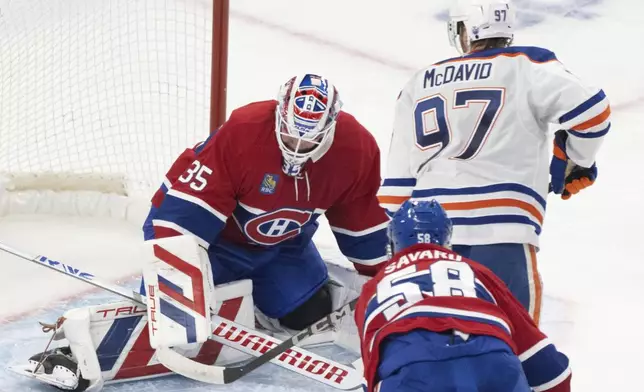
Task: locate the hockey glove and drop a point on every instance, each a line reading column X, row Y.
column 566, row 177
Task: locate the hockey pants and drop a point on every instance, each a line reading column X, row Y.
column 516, row 265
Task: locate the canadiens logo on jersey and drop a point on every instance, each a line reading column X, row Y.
column 269, row 184
column 276, row 226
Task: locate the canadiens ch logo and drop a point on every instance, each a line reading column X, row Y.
column 277, row 226
column 269, row 184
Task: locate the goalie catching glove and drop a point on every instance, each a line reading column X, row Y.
column 566, row 177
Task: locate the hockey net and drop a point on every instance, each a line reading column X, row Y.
column 98, row 97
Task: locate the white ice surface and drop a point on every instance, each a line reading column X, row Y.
column 591, row 264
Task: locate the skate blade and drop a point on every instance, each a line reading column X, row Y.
column 27, row 371
column 23, row 370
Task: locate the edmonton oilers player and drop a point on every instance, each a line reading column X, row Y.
column 252, row 192
column 432, row 320
column 473, row 133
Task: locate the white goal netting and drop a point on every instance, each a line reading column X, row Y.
column 101, row 95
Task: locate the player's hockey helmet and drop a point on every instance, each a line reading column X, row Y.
column 418, row 222
column 482, row 19
column 307, row 109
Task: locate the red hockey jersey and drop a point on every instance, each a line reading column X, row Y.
column 232, row 187
column 432, row 288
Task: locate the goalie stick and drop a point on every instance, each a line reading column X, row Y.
column 235, row 372
column 301, row 361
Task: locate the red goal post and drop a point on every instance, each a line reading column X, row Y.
column 219, row 75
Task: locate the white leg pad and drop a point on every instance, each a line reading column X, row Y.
column 76, row 328
column 346, row 284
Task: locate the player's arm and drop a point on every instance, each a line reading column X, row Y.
column 178, row 167
column 357, row 221
column 176, row 170
column 545, row 367
column 202, row 198
column 399, row 180
column 583, row 114
column 369, row 361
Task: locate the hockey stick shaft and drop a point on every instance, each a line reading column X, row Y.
column 233, row 373
column 76, row 274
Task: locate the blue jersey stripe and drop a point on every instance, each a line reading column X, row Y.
column 483, row 293
column 505, row 187
column 365, row 247
column 199, row 147
column 579, row 110
column 399, row 182
column 538, row 55
column 191, row 217
column 590, row 135
column 493, row 219
column 148, row 227
column 372, row 305
column 544, row 366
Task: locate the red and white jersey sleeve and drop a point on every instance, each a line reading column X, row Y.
column 201, row 197
column 357, row 220
column 176, row 170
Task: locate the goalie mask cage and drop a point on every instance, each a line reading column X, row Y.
column 98, row 97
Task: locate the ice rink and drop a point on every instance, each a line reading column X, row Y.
column 589, row 258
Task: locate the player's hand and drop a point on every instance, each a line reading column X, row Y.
column 566, row 177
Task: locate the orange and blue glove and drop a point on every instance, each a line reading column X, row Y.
column 566, row 177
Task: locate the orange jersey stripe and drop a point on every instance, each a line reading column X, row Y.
column 392, row 199
column 593, row 121
column 559, row 153
column 538, row 289
column 472, row 205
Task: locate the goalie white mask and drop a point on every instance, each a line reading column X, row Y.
column 482, row 19
column 305, row 119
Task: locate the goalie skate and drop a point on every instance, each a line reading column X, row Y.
column 54, row 367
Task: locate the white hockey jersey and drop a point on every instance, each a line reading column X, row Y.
column 473, row 133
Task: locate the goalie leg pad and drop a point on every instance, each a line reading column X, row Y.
column 76, row 328
column 180, row 290
column 346, row 284
column 120, row 338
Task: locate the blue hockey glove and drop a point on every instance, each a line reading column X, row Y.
column 566, row 177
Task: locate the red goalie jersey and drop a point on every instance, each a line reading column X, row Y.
column 231, row 187
column 432, row 288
